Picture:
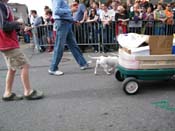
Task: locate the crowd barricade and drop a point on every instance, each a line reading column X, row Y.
column 150, row 28
column 40, row 35
column 87, row 34
column 103, row 36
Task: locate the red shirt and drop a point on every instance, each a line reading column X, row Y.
column 8, row 40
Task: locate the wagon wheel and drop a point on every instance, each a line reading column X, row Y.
column 130, row 86
column 118, row 75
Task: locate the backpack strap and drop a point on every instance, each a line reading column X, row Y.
column 8, row 10
column 5, row 10
column 1, row 19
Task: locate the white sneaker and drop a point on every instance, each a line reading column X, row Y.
column 57, row 73
column 84, row 67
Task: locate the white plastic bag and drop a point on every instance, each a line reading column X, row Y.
column 132, row 40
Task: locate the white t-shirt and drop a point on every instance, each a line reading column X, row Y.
column 105, row 15
column 112, row 13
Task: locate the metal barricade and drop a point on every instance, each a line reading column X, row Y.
column 88, row 34
column 150, row 28
column 96, row 35
column 103, row 37
column 40, row 35
column 108, row 37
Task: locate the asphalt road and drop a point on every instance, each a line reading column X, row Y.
column 82, row 101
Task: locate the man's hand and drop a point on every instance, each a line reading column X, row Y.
column 27, row 28
column 20, row 21
column 77, row 23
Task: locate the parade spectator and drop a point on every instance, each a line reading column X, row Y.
column 135, row 12
column 93, row 17
column 113, row 11
column 81, row 13
column 80, row 17
column 105, row 16
column 31, row 18
column 93, row 28
column 74, row 6
column 149, row 21
column 106, row 22
column 94, row 23
column 169, row 21
column 135, row 24
column 37, row 20
column 95, row 5
column 169, row 15
column 37, row 31
column 49, row 24
column 121, row 19
column 108, row 4
column 160, row 18
column 27, row 34
column 143, row 11
column 173, row 9
column 62, row 15
column 13, row 56
column 159, row 13
column 46, row 8
column 90, row 4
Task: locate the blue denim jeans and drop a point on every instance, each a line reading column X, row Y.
column 64, row 35
column 160, row 29
column 35, row 38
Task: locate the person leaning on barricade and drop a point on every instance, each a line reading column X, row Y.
column 13, row 56
column 49, row 29
column 92, row 21
column 37, row 30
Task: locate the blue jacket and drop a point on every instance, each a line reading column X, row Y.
column 61, row 10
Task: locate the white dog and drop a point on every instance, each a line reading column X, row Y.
column 107, row 62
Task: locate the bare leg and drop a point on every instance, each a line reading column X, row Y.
column 25, row 79
column 28, row 92
column 9, row 82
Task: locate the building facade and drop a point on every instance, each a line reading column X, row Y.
column 20, row 11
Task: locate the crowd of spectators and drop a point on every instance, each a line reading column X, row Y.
column 140, row 17
column 118, row 17
column 127, row 14
column 114, row 10
column 40, row 29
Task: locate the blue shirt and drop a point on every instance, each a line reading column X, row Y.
column 80, row 12
column 61, row 10
column 37, row 21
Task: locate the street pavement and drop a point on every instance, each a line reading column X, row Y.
column 82, row 101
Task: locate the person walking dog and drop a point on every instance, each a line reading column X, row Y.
column 62, row 15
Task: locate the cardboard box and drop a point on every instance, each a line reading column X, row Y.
column 160, row 45
column 140, row 51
